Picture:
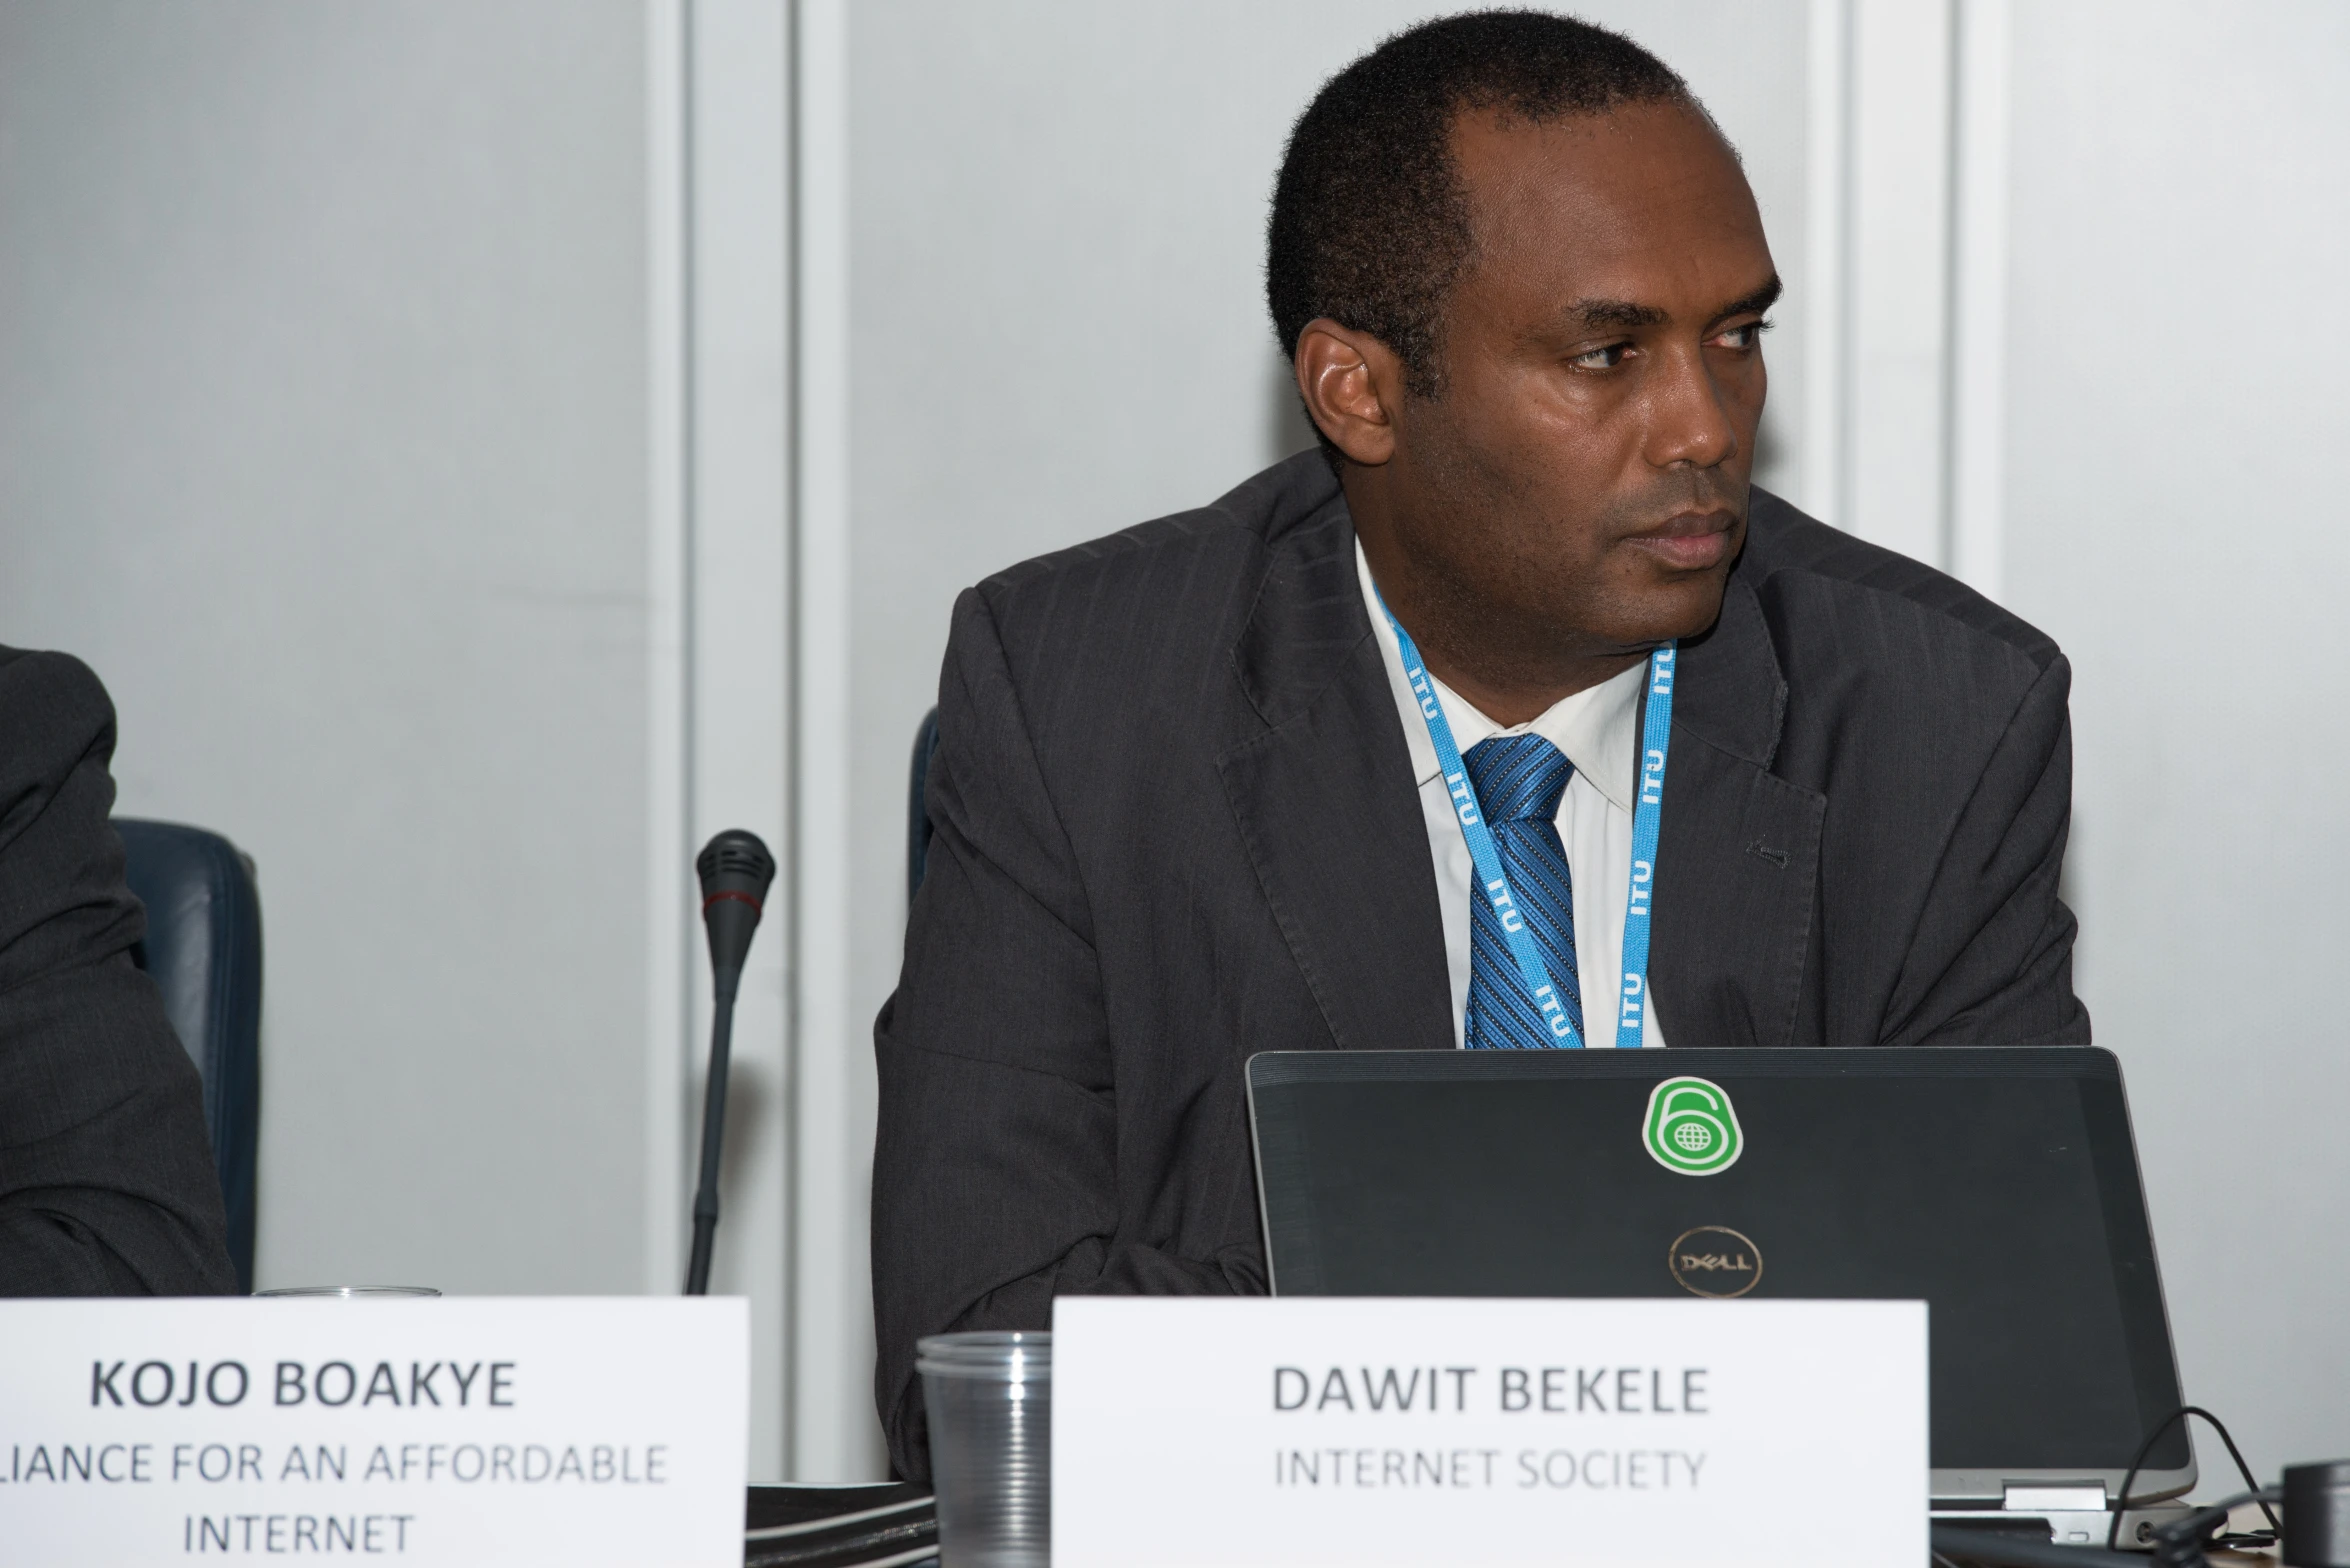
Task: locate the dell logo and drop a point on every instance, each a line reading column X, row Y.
column 1714, row 1261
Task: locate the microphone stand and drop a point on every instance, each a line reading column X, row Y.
column 697, row 1272
column 736, row 871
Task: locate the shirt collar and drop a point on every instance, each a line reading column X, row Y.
column 1594, row 727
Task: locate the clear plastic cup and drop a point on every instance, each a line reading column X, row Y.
column 990, row 1397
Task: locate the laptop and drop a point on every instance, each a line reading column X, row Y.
column 1998, row 1185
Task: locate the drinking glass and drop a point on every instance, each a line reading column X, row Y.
column 990, row 1397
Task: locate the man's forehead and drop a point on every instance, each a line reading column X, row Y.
column 1618, row 220
column 1624, row 150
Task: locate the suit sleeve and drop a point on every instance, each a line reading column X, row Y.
column 995, row 1183
column 106, row 1179
column 1992, row 960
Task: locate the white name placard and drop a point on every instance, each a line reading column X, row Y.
column 1327, row 1431
column 439, row 1432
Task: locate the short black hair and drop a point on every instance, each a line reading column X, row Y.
column 1370, row 226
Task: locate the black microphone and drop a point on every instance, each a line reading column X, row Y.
column 736, row 871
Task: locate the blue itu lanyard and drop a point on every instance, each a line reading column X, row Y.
column 1656, row 733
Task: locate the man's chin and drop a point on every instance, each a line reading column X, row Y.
column 1679, row 611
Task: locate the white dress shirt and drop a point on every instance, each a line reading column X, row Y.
column 1595, row 728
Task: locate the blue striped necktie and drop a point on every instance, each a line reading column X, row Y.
column 1519, row 779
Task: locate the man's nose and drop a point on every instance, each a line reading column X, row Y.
column 1690, row 421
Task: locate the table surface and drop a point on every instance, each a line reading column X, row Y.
column 792, row 1513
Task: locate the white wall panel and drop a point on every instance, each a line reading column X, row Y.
column 383, row 418
column 1981, row 144
column 322, row 413
column 737, row 504
column 2174, row 435
column 835, row 1434
column 1896, row 279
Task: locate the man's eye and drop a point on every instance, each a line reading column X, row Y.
column 1607, row 358
column 1745, row 337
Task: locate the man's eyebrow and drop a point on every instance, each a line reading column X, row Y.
column 1753, row 304
column 1614, row 313
column 1621, row 314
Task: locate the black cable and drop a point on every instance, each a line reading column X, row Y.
column 2183, row 1543
column 2123, row 1501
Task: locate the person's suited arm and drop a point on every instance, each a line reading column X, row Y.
column 1991, row 962
column 995, row 1181
column 106, row 1179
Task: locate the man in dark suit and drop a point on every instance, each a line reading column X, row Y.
column 1193, row 795
column 107, row 1185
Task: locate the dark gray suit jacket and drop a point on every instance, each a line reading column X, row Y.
column 107, row 1186
column 1177, row 825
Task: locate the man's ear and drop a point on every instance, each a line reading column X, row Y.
column 1352, row 383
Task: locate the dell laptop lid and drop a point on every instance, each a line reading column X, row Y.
column 2000, row 1186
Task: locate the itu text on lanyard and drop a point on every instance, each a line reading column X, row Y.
column 1656, row 732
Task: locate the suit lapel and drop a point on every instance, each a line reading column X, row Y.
column 1325, row 801
column 1739, row 852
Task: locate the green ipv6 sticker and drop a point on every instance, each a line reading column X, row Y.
column 1692, row 1127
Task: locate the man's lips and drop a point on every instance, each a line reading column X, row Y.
column 1688, row 541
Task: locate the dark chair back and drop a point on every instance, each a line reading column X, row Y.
column 203, row 951
column 917, row 819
